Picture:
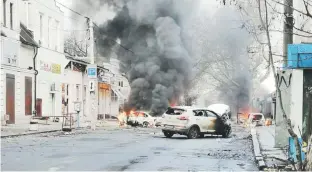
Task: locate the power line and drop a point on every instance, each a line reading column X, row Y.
column 72, row 10
column 55, row 10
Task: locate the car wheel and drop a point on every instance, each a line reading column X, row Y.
column 168, row 134
column 145, row 124
column 226, row 132
column 193, row 133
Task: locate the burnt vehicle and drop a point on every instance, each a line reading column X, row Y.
column 194, row 122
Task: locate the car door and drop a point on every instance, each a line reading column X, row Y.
column 201, row 120
column 213, row 121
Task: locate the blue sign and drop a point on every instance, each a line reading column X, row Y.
column 299, row 56
column 92, row 72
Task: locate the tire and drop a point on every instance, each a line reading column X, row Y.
column 168, row 134
column 145, row 124
column 226, row 132
column 193, row 133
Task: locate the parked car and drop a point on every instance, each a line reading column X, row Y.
column 194, row 122
column 140, row 118
column 221, row 109
column 256, row 119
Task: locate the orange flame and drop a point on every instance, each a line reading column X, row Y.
column 172, row 103
column 244, row 112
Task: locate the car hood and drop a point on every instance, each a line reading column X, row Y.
column 219, row 108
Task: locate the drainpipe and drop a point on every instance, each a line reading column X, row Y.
column 36, row 73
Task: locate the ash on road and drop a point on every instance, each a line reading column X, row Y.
column 127, row 150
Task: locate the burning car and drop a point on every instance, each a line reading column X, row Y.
column 140, row 118
column 256, row 119
column 194, row 122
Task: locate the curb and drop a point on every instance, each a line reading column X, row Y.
column 26, row 134
column 256, row 149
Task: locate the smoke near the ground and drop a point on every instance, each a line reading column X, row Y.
column 152, row 55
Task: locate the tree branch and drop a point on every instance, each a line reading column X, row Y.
column 306, row 14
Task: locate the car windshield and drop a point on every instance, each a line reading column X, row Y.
column 175, row 111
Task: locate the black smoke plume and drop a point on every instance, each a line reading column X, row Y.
column 151, row 52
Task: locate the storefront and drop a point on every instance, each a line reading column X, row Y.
column 49, row 82
column 104, row 94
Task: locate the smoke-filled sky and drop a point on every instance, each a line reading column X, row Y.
column 165, row 39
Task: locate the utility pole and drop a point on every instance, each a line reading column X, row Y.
column 288, row 27
column 92, row 96
column 281, row 133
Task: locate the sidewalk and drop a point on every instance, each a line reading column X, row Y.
column 272, row 156
column 23, row 129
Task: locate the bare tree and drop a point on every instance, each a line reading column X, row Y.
column 75, row 46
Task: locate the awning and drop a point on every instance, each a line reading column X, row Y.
column 27, row 36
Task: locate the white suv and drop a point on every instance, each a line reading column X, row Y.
column 194, row 122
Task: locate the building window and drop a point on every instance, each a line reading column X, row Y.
column 28, row 95
column 41, row 27
column 57, row 24
column 4, row 13
column 11, row 16
column 114, row 96
column 77, row 92
column 27, row 14
column 67, row 88
column 85, row 92
column 49, row 31
column 120, row 83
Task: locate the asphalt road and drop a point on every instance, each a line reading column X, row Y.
column 127, row 150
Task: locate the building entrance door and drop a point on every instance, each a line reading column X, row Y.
column 10, row 97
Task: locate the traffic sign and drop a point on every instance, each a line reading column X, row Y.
column 92, row 73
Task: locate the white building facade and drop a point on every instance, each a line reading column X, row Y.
column 18, row 50
column 46, row 20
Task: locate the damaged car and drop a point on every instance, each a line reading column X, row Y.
column 140, row 118
column 194, row 122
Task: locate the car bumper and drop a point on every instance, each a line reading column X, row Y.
column 175, row 129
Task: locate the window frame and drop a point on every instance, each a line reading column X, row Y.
column 11, row 16
column 4, row 13
column 41, row 15
column 210, row 112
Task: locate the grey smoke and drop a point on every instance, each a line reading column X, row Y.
column 153, row 55
column 161, row 37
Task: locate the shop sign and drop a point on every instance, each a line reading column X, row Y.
column 104, row 86
column 50, row 67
